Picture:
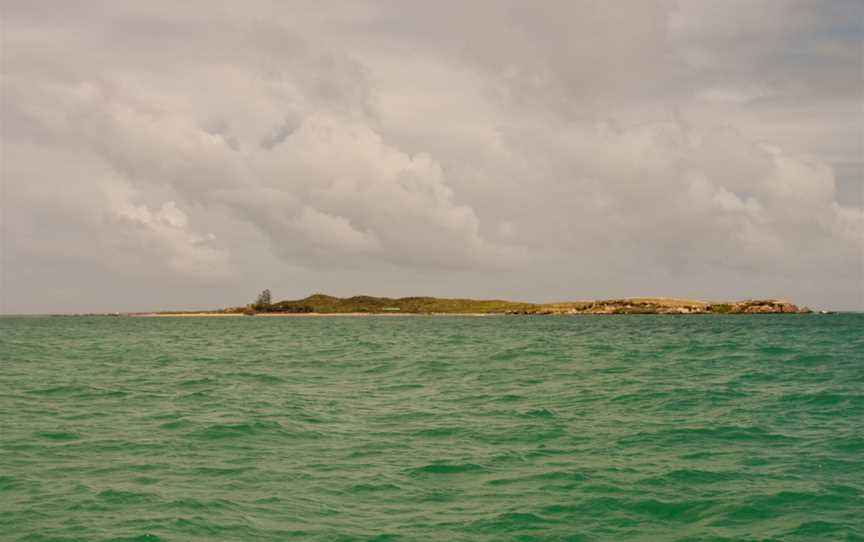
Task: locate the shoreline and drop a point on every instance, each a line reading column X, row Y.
column 308, row 314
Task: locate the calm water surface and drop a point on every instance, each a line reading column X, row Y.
column 432, row 428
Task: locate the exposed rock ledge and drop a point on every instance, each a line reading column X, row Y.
column 667, row 306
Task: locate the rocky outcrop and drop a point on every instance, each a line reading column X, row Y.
column 665, row 306
column 764, row 306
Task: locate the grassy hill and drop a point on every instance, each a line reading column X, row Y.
column 321, row 303
column 326, row 304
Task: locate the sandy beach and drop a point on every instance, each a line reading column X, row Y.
column 300, row 314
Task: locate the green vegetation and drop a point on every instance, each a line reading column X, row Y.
column 263, row 302
column 363, row 304
column 320, row 303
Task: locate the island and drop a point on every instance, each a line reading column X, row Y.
column 322, row 304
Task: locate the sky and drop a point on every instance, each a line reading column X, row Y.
column 187, row 155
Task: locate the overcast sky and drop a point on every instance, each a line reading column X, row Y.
column 186, row 155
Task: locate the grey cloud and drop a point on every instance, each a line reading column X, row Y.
column 568, row 149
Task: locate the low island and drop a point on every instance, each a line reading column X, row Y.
column 321, row 304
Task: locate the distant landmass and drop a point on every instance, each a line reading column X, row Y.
column 326, row 304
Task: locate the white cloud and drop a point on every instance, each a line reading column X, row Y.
column 187, row 253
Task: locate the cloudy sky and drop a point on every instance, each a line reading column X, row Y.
column 170, row 155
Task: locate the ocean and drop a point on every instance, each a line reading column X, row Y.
column 432, row 428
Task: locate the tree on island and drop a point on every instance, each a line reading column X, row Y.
column 263, row 302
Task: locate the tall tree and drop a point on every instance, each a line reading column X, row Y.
column 263, row 302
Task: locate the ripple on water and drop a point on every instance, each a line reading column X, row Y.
column 240, row 430
column 61, row 436
column 540, row 413
column 434, row 469
column 118, row 496
column 263, row 378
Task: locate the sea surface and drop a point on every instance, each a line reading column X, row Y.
column 432, row 428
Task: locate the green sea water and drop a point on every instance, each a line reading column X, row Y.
column 432, row 428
